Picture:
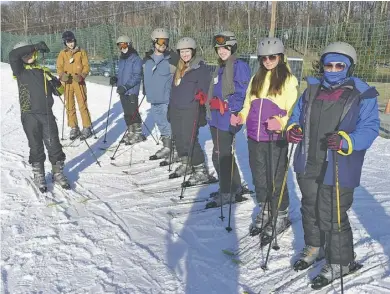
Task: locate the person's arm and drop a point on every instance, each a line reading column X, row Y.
column 136, row 76
column 15, row 58
column 247, row 103
column 242, row 75
column 85, row 64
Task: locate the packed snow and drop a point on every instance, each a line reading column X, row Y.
column 122, row 233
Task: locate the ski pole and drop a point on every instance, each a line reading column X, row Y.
column 270, row 187
column 228, row 228
column 336, row 175
column 90, row 149
column 171, row 154
column 63, row 116
column 219, row 169
column 132, row 118
column 89, row 115
column 191, row 150
column 108, row 115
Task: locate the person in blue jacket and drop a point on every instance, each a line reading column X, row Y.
column 128, row 81
column 333, row 124
column 226, row 96
column 159, row 68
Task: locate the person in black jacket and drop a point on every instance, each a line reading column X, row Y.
column 186, row 111
column 36, row 85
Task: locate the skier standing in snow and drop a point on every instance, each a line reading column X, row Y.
column 159, row 68
column 36, row 85
column 334, row 122
column 72, row 69
column 271, row 96
column 225, row 97
column 186, row 111
column 128, row 83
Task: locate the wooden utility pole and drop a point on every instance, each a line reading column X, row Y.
column 273, row 19
column 307, row 26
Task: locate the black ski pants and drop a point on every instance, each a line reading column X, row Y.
column 130, row 109
column 259, row 157
column 185, row 131
column 319, row 218
column 42, row 129
column 222, row 160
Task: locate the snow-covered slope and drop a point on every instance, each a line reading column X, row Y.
column 118, row 233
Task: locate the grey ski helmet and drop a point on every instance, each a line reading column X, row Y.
column 123, row 39
column 270, row 46
column 22, row 44
column 341, row 48
column 186, row 43
column 159, row 33
column 225, row 38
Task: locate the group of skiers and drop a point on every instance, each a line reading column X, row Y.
column 331, row 125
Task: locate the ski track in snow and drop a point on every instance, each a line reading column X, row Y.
column 118, row 233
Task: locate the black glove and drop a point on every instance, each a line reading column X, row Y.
column 113, row 80
column 121, row 90
column 334, row 141
column 42, row 47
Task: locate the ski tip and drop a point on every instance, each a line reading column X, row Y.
column 228, row 252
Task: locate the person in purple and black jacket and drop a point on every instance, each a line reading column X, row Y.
column 335, row 118
column 270, row 99
column 226, row 96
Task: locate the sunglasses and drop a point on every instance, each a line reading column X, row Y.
column 221, row 40
column 268, row 57
column 122, row 45
column 338, row 66
column 162, row 41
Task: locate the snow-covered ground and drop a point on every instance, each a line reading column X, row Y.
column 118, row 233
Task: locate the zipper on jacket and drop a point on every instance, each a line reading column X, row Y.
column 259, row 122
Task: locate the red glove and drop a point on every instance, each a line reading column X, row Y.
column 201, row 97
column 218, row 104
column 273, row 124
column 334, row 141
column 294, row 135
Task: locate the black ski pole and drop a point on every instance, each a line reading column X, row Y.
column 63, row 115
column 132, row 118
column 171, row 154
column 270, row 187
column 336, row 175
column 229, row 228
column 219, row 171
column 89, row 115
column 108, row 115
column 191, row 150
column 90, row 149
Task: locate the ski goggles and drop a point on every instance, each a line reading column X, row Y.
column 338, row 66
column 271, row 58
column 162, row 41
column 122, row 45
column 222, row 40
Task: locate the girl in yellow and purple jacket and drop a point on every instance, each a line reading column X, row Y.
column 270, row 98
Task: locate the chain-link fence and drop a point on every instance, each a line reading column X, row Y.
column 371, row 40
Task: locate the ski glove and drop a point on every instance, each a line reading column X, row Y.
column 234, row 127
column 334, row 141
column 42, row 47
column 78, row 78
column 113, row 80
column 201, row 97
column 294, row 135
column 273, row 124
column 65, row 77
column 121, row 90
column 235, row 120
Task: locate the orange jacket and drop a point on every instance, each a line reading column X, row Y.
column 73, row 62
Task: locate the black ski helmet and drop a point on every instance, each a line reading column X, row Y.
column 67, row 36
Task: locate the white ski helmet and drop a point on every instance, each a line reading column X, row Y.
column 159, row 33
column 22, row 44
column 186, row 43
column 270, row 46
column 123, row 39
column 341, row 48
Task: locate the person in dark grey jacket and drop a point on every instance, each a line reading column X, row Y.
column 36, row 86
column 128, row 83
column 186, row 111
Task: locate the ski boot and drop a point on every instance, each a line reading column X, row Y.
column 136, row 135
column 86, row 133
column 58, row 175
column 224, row 198
column 200, row 175
column 175, row 158
column 74, row 133
column 163, row 152
column 38, row 169
column 309, row 256
column 182, row 168
column 263, row 219
column 128, row 136
column 331, row 272
column 282, row 223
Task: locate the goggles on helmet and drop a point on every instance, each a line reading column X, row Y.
column 162, row 41
column 122, row 45
column 221, row 40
